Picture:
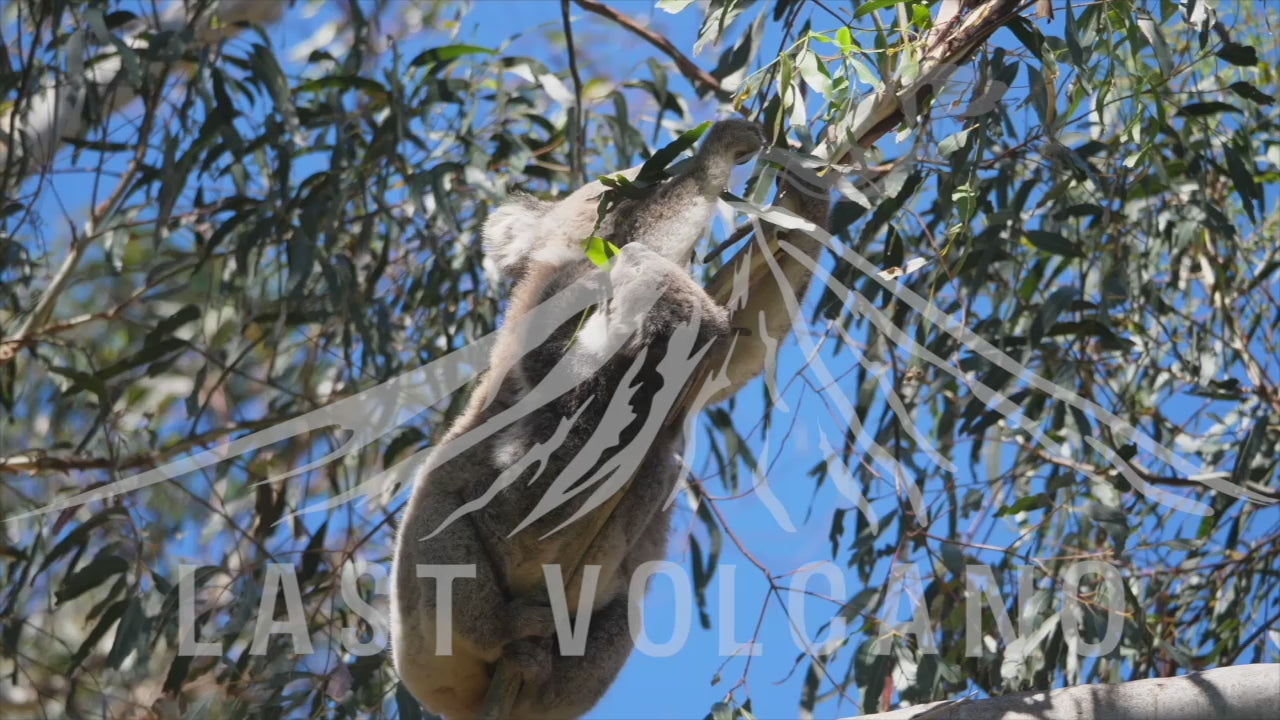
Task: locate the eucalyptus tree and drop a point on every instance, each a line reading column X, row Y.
column 1043, row 334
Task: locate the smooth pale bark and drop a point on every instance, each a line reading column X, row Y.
column 1240, row 692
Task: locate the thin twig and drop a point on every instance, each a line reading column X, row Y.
column 39, row 461
column 701, row 79
column 578, row 118
column 738, row 234
column 35, row 321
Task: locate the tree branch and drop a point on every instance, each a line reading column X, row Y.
column 702, row 80
column 1242, row 692
column 38, row 461
column 742, row 357
column 58, row 113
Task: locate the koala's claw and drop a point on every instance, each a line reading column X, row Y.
column 741, row 138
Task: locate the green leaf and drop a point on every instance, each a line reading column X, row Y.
column 267, row 71
column 150, row 352
column 1052, row 242
column 1151, row 30
column 1201, row 109
column 920, row 16
column 192, row 402
column 674, row 6
column 1072, row 35
column 875, row 5
column 814, row 73
column 1251, row 93
column 844, row 38
column 1026, row 504
column 1237, row 54
column 83, row 381
column 1057, row 301
column 600, row 251
column 954, row 142
column 444, row 55
column 735, row 64
column 1029, row 35
column 1243, row 179
column 653, row 167
column 371, row 88
column 165, row 328
column 408, row 437
column 623, row 187
column 871, row 670
column 836, row 531
column 90, row 576
column 952, row 558
column 1244, row 458
column 119, row 18
column 1112, row 520
column 131, row 631
column 95, row 635
column 1086, row 209
column 79, row 537
column 1089, row 328
column 721, row 711
column 702, row 572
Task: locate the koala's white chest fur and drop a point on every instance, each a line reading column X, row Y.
column 594, row 336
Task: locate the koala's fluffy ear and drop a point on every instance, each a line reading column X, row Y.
column 512, row 231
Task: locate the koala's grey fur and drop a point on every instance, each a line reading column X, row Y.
column 579, row 375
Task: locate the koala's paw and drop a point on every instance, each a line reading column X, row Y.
column 531, row 659
column 715, row 320
column 639, row 270
column 739, row 138
column 640, row 277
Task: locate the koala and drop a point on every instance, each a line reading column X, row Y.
column 577, row 399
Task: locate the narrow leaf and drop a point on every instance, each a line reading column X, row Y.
column 1052, row 242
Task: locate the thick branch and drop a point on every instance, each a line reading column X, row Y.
column 1242, row 692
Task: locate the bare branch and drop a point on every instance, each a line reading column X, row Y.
column 1242, row 691
column 704, row 81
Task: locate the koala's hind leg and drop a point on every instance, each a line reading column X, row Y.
column 575, row 683
column 482, row 618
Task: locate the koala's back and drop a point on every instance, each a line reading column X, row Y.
column 563, row 426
